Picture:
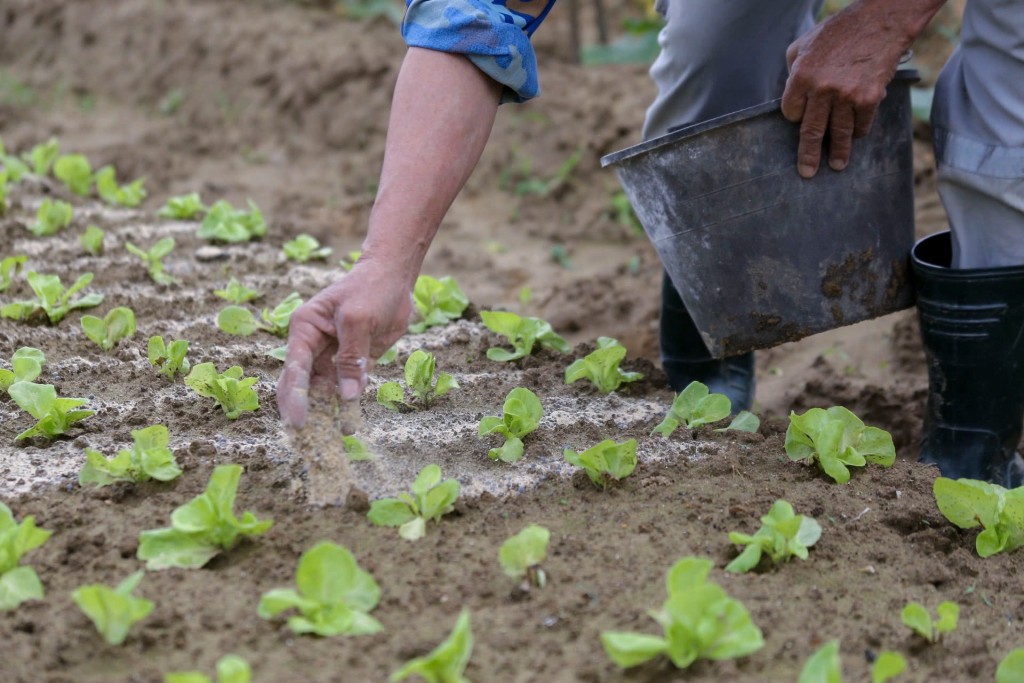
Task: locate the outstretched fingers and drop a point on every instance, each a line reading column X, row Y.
column 306, row 341
column 353, row 358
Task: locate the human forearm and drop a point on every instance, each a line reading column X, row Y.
column 441, row 117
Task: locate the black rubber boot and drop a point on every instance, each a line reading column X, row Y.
column 685, row 357
column 972, row 327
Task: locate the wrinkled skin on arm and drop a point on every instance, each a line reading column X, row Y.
column 441, row 117
column 839, row 71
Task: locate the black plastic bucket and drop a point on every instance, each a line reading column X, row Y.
column 761, row 256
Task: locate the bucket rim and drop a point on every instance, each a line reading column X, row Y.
column 673, row 136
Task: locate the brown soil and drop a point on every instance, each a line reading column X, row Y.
column 287, row 104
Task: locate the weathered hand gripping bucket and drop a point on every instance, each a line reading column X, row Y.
column 762, row 256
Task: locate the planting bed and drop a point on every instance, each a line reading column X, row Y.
column 286, row 104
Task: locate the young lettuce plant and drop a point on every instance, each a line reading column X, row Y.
column 26, row 366
column 355, row 449
column 520, row 415
column 113, row 611
column 438, row 302
column 915, row 617
column 522, row 555
column 783, row 534
column 149, row 458
column 522, row 333
column 888, row 665
column 153, row 260
column 185, row 207
column 55, row 415
column 18, row 583
column 225, row 223
column 607, row 461
column 237, row 293
column 699, row 621
column 14, row 167
column 92, row 240
column 240, row 321
column 42, row 156
column 107, row 331
column 230, row 669
column 968, row 503
column 230, row 389
column 202, row 528
column 837, row 439
column 170, row 358
column 1011, row 669
column 431, row 498
column 52, row 216
column 305, row 248
column 447, row 662
column 335, row 595
column 419, row 378
column 823, row 666
column 130, row 195
column 75, row 171
column 601, row 367
column 10, row 267
column 694, row 407
column 349, row 261
column 53, row 302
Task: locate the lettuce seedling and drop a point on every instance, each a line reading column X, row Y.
column 75, row 171
column 305, row 248
column 153, row 260
column 419, row 378
column 447, row 662
column 355, row 449
column 26, row 366
column 92, row 240
column 745, row 421
column 52, row 216
column 349, row 262
column 605, row 462
column 170, row 358
column 521, row 555
column 522, row 333
column 438, row 301
column 9, row 269
column 14, row 167
column 783, row 534
column 694, row 407
column 53, row 302
column 968, row 503
column 888, row 665
column 431, row 498
column 203, row 527
column 389, row 356
column 107, row 331
column 42, row 156
column 520, row 415
column 823, row 666
column 241, row 321
column 916, row 618
column 149, row 458
column 278, row 353
column 837, row 439
column 130, row 195
column 185, row 207
column 601, row 367
column 225, row 223
column 237, row 293
column 230, row 389
column 230, row 669
column 334, row 597
column 113, row 611
column 1011, row 669
column 18, row 583
column 699, row 621
column 55, row 415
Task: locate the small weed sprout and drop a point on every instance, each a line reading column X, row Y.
column 113, row 611
column 52, row 216
column 55, row 415
column 150, row 457
column 522, row 333
column 522, row 555
column 915, row 617
column 968, row 503
column 694, row 407
column 26, row 366
column 430, row 499
column 107, row 331
column 92, row 240
column 601, row 367
column 521, row 414
column 230, row 389
column 230, row 669
column 836, row 439
column 607, row 461
column 438, row 302
column 334, row 597
column 419, row 379
column 53, row 302
column 305, row 248
column 783, row 534
column 447, row 662
column 18, row 583
column 169, row 358
column 153, row 260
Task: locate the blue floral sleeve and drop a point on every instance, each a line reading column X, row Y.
column 495, row 38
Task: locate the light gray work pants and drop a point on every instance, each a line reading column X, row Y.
column 719, row 56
